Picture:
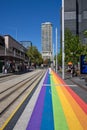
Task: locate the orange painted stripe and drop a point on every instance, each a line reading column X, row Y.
column 72, row 120
column 82, row 117
column 82, row 104
column 79, row 112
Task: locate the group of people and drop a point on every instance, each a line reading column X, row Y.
column 8, row 68
column 11, row 68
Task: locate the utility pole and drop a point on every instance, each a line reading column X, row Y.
column 63, row 54
column 53, row 55
column 56, row 51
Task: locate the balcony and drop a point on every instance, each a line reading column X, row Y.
column 6, row 52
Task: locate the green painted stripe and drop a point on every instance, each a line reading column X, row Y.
column 59, row 117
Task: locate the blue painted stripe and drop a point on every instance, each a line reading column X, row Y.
column 47, row 122
column 46, row 78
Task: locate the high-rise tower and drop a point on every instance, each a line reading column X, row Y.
column 75, row 18
column 46, row 37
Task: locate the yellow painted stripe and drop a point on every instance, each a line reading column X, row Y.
column 71, row 118
column 12, row 114
column 82, row 117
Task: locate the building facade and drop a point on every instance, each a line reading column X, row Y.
column 2, row 50
column 75, row 17
column 46, row 39
column 70, row 15
column 12, row 54
column 26, row 44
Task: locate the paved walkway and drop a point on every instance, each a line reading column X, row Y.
column 80, row 81
column 4, row 75
column 57, row 107
column 80, row 85
column 76, row 79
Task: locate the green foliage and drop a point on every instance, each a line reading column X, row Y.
column 84, row 49
column 85, row 45
column 85, row 33
column 73, row 48
column 34, row 55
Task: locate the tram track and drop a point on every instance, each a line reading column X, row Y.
column 6, row 93
column 8, row 98
column 11, row 87
column 7, row 78
column 11, row 76
column 14, row 81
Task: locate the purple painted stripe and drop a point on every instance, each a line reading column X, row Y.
column 46, row 78
column 36, row 117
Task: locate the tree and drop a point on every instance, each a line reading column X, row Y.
column 73, row 47
column 85, row 33
column 85, row 45
column 60, row 58
column 34, row 56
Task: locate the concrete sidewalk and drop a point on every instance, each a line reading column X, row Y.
column 4, row 75
column 80, row 81
column 17, row 73
column 77, row 84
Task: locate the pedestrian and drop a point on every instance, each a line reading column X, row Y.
column 49, row 70
column 72, row 71
column 3, row 69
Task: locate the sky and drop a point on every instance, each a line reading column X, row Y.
column 22, row 19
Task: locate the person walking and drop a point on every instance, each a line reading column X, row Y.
column 3, row 69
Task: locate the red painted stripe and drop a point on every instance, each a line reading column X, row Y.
column 81, row 103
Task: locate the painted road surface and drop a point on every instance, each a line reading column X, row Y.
column 58, row 107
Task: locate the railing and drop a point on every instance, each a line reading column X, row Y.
column 8, row 53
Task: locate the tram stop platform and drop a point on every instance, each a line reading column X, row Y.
column 54, row 106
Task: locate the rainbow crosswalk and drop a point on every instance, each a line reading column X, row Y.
column 58, row 107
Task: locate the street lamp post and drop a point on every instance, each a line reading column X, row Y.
column 53, row 55
column 56, row 52
column 63, row 54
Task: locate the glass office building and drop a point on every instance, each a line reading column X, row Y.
column 75, row 18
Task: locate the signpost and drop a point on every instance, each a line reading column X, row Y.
column 83, row 64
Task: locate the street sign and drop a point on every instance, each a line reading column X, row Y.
column 83, row 64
